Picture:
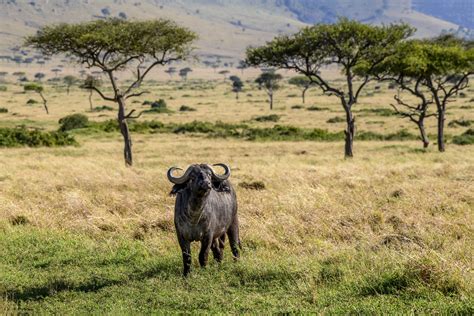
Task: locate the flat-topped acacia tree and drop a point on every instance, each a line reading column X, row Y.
column 433, row 71
column 113, row 45
column 356, row 48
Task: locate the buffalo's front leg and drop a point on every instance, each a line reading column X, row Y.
column 186, row 251
column 206, row 244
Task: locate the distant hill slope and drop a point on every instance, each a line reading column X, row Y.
column 225, row 27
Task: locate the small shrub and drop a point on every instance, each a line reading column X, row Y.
column 3, row 110
column 268, row 118
column 316, row 108
column 73, row 121
column 3, row 88
column 462, row 95
column 159, row 104
column 19, row 220
column 256, row 185
column 461, row 122
column 185, row 108
column 336, row 119
column 467, row 138
column 102, row 108
column 378, row 111
column 297, row 107
column 31, row 101
column 292, row 95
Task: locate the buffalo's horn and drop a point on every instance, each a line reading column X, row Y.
column 181, row 179
column 226, row 174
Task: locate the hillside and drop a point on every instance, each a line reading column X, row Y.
column 226, row 27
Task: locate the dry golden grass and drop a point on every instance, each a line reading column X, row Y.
column 390, row 204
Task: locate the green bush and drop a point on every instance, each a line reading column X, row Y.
column 461, row 122
column 316, row 108
column 21, row 136
column 31, row 101
column 73, row 121
column 378, row 111
column 297, row 107
column 3, row 110
column 3, row 88
column 336, row 119
column 161, row 104
column 102, row 108
column 467, row 138
column 185, row 108
column 268, row 118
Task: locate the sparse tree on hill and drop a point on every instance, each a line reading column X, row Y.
column 39, row 76
column 35, row 87
column 171, row 71
column 56, row 71
column 269, row 81
column 91, row 83
column 303, row 83
column 70, row 81
column 183, row 73
column 237, row 85
column 113, row 45
column 354, row 47
column 224, row 73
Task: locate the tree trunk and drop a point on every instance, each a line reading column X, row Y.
column 349, row 132
column 304, row 95
column 67, row 90
column 441, row 119
column 424, row 136
column 44, row 103
column 236, row 95
column 90, row 99
column 127, row 151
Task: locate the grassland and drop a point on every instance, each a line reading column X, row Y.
column 389, row 231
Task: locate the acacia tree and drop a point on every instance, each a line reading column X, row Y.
column 90, row 83
column 269, row 81
column 183, row 73
column 171, row 71
column 112, row 45
column 69, row 81
column 35, row 87
column 237, row 85
column 303, row 83
column 433, row 71
column 354, row 47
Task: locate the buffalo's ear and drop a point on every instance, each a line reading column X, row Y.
column 176, row 188
column 221, row 186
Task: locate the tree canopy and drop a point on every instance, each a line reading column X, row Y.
column 356, row 48
column 110, row 44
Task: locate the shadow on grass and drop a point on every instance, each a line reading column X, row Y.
column 93, row 284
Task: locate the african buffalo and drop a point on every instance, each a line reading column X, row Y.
column 205, row 210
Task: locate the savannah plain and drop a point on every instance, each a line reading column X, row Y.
column 389, row 231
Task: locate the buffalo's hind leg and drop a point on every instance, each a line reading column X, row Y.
column 186, row 251
column 234, row 240
column 218, row 248
column 206, row 244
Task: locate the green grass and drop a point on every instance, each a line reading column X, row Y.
column 54, row 272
